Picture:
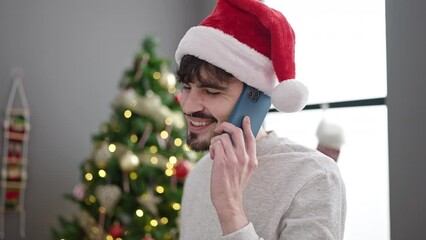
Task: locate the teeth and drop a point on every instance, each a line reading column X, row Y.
column 198, row 124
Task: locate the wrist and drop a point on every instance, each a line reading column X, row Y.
column 231, row 218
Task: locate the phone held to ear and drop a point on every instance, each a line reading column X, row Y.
column 252, row 103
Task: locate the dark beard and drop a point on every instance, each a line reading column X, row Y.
column 197, row 144
column 193, row 140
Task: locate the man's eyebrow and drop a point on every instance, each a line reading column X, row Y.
column 209, row 84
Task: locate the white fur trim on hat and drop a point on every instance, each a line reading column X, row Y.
column 233, row 56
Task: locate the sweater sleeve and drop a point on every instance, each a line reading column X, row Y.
column 318, row 210
column 245, row 233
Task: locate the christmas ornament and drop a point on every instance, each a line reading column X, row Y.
column 108, row 196
column 129, row 162
column 78, row 191
column 330, row 138
column 88, row 224
column 150, row 201
column 116, row 230
column 102, row 155
column 167, row 79
column 182, row 169
column 177, row 97
column 148, row 106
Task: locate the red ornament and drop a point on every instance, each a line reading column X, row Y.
column 116, row 230
column 12, row 195
column 182, row 169
column 177, row 97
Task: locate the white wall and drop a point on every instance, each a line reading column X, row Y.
column 74, row 53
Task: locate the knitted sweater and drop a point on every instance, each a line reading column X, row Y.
column 296, row 193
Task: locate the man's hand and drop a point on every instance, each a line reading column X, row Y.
column 234, row 162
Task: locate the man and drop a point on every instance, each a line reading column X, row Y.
column 250, row 187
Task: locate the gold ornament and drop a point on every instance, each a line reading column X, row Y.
column 108, row 196
column 150, row 201
column 129, row 162
column 102, row 155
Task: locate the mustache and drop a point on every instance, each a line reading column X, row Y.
column 201, row 115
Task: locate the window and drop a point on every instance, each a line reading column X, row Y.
column 341, row 56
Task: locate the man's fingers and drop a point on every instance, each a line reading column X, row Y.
column 249, row 139
column 235, row 133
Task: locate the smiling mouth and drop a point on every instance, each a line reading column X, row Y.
column 200, row 123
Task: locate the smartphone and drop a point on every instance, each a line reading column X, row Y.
column 252, row 103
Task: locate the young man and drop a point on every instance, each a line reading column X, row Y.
column 250, row 187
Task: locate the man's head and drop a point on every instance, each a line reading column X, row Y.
column 254, row 43
column 208, row 96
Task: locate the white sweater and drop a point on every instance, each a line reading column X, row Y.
column 296, row 193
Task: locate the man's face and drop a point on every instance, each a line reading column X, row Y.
column 207, row 102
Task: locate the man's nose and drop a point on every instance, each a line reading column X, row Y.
column 192, row 101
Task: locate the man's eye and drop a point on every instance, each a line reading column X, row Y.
column 212, row 92
column 186, row 87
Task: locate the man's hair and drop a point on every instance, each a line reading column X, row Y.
column 191, row 67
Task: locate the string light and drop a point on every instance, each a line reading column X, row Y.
column 186, row 147
column 169, row 165
column 164, row 220
column 88, row 177
column 153, row 149
column 154, row 160
column 172, row 90
column 178, row 142
column 169, row 172
column 173, row 160
column 133, row 176
column 156, row 75
column 159, row 189
column 134, row 138
column 176, row 206
column 112, row 147
column 127, row 114
column 139, row 213
column 168, row 121
column 102, row 173
column 102, row 210
column 109, row 237
column 153, row 223
column 92, row 199
column 164, row 134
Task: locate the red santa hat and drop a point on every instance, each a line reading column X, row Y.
column 253, row 42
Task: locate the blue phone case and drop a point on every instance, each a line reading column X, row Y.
column 252, row 103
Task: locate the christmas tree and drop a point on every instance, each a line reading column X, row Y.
column 131, row 185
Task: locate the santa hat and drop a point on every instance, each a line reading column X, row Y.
column 254, row 43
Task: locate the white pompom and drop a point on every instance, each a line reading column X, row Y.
column 330, row 134
column 290, row 96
